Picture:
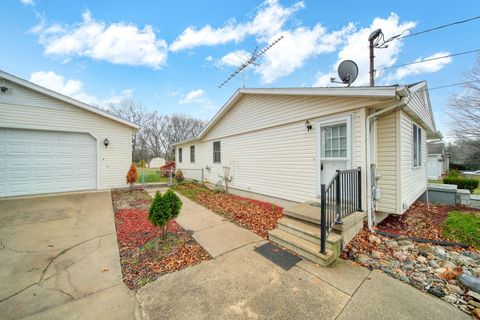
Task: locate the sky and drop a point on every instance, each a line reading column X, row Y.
column 171, row 56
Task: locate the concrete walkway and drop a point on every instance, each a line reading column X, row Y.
column 59, row 259
column 213, row 232
column 241, row 284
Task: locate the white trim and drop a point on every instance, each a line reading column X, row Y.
column 332, row 121
column 61, row 97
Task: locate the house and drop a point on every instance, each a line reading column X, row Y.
column 327, row 155
column 168, row 167
column 156, row 163
column 438, row 160
column 52, row 143
column 282, row 144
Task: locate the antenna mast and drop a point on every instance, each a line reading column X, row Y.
column 252, row 59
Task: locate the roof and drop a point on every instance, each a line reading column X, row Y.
column 61, row 97
column 393, row 92
column 436, row 148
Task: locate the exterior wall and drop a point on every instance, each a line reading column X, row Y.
column 413, row 180
column 387, row 163
column 267, row 147
column 27, row 109
column 435, row 166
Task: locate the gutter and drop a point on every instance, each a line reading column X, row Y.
column 403, row 93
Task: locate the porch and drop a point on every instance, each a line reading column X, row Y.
column 318, row 231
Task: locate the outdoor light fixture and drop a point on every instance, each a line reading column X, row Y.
column 4, row 89
column 106, row 142
column 308, row 125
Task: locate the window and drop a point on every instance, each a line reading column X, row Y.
column 180, row 155
column 216, row 152
column 192, row 154
column 334, row 141
column 417, row 146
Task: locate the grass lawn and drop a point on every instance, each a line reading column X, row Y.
column 150, row 175
column 463, row 227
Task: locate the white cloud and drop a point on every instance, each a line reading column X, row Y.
column 268, row 21
column 209, row 58
column 27, row 2
column 424, row 67
column 356, row 49
column 296, row 48
column 194, row 96
column 117, row 43
column 74, row 88
column 234, row 58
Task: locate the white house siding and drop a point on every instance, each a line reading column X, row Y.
column 387, row 163
column 25, row 108
column 271, row 152
column 413, row 180
column 421, row 108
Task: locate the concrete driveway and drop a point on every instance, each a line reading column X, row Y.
column 59, row 259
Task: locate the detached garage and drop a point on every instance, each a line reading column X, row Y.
column 52, row 143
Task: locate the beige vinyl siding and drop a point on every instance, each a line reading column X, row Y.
column 25, row 108
column 413, row 180
column 387, row 163
column 254, row 112
column 278, row 161
column 421, row 109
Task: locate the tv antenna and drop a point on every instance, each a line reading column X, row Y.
column 347, row 71
column 255, row 55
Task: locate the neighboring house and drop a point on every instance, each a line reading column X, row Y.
column 260, row 140
column 156, row 163
column 168, row 167
column 53, row 143
column 438, row 160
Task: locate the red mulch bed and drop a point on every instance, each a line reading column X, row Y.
column 257, row 216
column 143, row 255
column 420, row 221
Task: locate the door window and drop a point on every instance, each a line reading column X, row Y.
column 334, row 141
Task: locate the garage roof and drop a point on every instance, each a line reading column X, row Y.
column 61, row 97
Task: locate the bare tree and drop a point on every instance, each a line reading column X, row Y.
column 135, row 112
column 181, row 127
column 157, row 132
column 465, row 109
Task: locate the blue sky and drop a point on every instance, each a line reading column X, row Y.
column 172, row 55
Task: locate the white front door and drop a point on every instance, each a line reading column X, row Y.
column 334, row 147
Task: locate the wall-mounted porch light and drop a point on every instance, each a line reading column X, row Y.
column 308, row 125
column 106, row 142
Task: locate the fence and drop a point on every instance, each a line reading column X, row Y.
column 193, row 174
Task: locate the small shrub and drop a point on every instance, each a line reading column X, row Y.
column 453, row 174
column 132, row 176
column 179, row 175
column 142, row 164
column 462, row 183
column 163, row 209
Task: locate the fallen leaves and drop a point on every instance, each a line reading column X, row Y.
column 257, row 216
column 143, row 254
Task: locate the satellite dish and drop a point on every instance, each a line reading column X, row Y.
column 348, row 71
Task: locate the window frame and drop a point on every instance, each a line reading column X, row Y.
column 192, row 154
column 217, row 152
column 180, row 155
column 416, row 145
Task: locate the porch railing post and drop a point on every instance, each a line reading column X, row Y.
column 337, row 197
column 359, row 187
column 323, row 219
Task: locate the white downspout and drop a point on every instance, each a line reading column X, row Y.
column 368, row 122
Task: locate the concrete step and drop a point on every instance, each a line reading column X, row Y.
column 304, row 211
column 308, row 231
column 304, row 248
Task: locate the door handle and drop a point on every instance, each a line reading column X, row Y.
column 321, row 166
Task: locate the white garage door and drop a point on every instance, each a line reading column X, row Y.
column 33, row 162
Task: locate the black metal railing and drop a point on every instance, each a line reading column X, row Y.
column 339, row 198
